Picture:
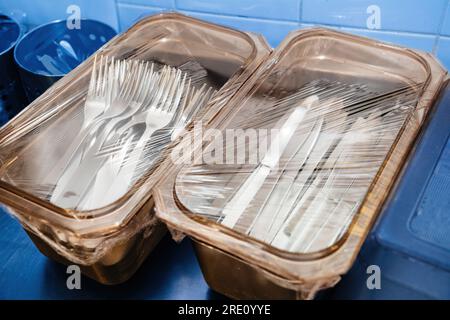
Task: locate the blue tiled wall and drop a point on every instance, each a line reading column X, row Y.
column 32, row 12
column 413, row 23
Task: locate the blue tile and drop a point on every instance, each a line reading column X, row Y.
column 399, row 15
column 166, row 4
column 273, row 31
column 35, row 13
column 443, row 51
column 276, row 10
column 130, row 14
column 446, row 25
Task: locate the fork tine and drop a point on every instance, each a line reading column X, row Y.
column 179, row 94
column 155, row 94
column 136, row 81
column 118, row 77
column 149, row 87
column 175, row 89
column 128, row 75
column 167, row 88
column 99, row 77
column 171, row 91
column 131, row 85
column 141, row 81
column 185, row 97
column 110, row 81
column 105, row 77
column 144, row 82
column 162, row 85
column 93, row 81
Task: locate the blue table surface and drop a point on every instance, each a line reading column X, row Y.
column 170, row 272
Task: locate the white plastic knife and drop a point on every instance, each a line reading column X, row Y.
column 242, row 198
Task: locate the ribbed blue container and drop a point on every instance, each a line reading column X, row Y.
column 411, row 241
column 12, row 97
column 50, row 51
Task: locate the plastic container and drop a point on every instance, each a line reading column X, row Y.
column 411, row 241
column 194, row 199
column 12, row 97
column 110, row 242
column 50, row 51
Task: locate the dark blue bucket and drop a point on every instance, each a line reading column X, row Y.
column 12, row 97
column 50, row 51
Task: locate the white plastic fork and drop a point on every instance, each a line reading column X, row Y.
column 117, row 175
column 114, row 177
column 95, row 105
column 106, row 85
column 124, row 99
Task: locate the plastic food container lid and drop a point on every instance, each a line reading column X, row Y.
column 40, row 135
column 195, row 198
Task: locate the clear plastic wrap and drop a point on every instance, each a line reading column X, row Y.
column 313, row 142
column 78, row 164
column 301, row 193
column 132, row 112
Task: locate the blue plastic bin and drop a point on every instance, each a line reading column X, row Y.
column 50, row 51
column 12, row 97
column 411, row 241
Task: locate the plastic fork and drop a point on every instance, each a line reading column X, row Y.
column 118, row 174
column 124, row 98
column 106, row 84
column 114, row 177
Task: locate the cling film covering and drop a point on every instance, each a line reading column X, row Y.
column 132, row 111
column 81, row 161
column 280, row 161
column 288, row 180
column 324, row 144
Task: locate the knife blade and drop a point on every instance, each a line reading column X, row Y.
column 242, row 198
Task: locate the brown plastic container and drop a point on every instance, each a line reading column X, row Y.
column 240, row 266
column 110, row 243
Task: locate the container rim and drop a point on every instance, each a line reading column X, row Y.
column 176, row 16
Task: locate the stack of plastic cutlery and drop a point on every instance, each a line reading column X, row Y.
column 330, row 140
column 131, row 107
